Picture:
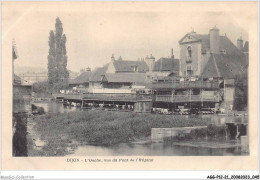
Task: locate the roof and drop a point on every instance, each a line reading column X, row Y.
column 127, row 66
column 246, row 47
column 166, row 64
column 82, row 78
column 227, row 45
column 224, row 43
column 19, row 81
column 226, row 66
column 125, row 77
column 96, row 75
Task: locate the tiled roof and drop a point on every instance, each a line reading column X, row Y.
column 127, row 66
column 166, row 64
column 96, row 75
column 82, row 78
column 226, row 66
column 224, row 43
column 228, row 46
column 125, row 77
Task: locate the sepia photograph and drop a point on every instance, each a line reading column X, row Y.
column 146, row 79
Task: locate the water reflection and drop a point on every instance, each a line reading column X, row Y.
column 153, row 149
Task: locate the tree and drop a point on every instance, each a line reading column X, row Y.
column 51, row 61
column 58, row 74
column 40, row 87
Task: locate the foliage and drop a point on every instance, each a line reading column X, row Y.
column 105, row 128
column 57, row 59
column 40, row 87
column 241, row 92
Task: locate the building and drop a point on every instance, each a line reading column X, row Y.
column 127, row 66
column 166, row 66
column 211, row 72
column 231, row 70
column 212, row 56
column 22, row 95
column 81, row 82
column 196, row 50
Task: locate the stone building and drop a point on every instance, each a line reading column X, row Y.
column 196, row 50
column 213, row 56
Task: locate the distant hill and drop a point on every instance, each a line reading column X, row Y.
column 29, row 70
column 33, row 71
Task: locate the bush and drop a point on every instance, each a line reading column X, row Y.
column 106, row 128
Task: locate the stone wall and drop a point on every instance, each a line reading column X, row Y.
column 22, row 96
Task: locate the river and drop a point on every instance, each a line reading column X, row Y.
column 147, row 148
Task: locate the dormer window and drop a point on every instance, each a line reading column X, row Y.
column 134, row 67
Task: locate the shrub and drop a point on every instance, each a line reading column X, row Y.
column 105, row 128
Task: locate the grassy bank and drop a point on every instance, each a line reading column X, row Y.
column 106, row 128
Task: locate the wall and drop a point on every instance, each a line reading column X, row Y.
column 95, row 85
column 22, row 98
column 116, row 85
column 195, row 57
column 143, row 106
column 77, row 86
column 229, row 96
column 158, row 134
column 159, row 73
column 102, row 90
column 111, row 68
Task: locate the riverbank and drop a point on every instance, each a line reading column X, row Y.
column 59, row 134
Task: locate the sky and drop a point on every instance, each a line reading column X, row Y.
column 96, row 30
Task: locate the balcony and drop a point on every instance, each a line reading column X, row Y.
column 118, row 97
column 186, row 98
column 75, row 96
column 185, row 85
column 110, row 97
column 188, row 59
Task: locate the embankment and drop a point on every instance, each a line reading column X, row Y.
column 106, row 128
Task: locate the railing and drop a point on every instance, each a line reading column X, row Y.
column 110, row 97
column 186, row 98
column 186, row 85
column 77, row 96
column 59, row 95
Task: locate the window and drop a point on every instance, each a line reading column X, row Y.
column 135, row 68
column 189, row 51
column 188, row 70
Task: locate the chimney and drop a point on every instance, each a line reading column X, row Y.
column 214, row 40
column 120, row 58
column 112, row 57
column 240, row 43
column 150, row 62
column 172, row 56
